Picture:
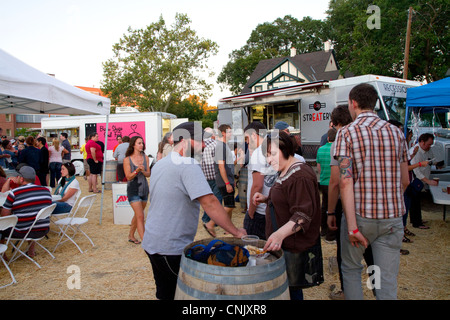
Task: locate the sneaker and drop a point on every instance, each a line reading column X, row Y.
column 339, row 295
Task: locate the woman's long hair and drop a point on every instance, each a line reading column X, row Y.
column 164, row 141
column 56, row 144
column 130, row 149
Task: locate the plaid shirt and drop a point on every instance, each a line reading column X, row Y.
column 377, row 148
column 208, row 159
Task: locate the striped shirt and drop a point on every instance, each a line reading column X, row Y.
column 209, row 154
column 377, row 148
column 25, row 202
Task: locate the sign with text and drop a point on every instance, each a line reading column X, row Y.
column 116, row 129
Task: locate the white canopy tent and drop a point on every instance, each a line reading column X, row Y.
column 25, row 90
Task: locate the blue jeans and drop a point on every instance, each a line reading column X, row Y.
column 385, row 237
column 62, row 207
column 55, row 172
column 216, row 192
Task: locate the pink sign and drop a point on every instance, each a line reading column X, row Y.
column 115, row 129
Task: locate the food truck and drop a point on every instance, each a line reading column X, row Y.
column 151, row 126
column 307, row 107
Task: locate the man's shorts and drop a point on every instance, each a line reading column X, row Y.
column 95, row 168
column 228, row 198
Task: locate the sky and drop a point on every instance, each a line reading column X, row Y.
column 72, row 38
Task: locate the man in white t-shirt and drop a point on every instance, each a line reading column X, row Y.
column 261, row 177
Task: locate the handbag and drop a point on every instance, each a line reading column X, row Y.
column 304, row 269
column 417, row 185
column 219, row 253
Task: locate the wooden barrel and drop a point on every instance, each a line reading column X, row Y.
column 202, row 281
column 110, row 173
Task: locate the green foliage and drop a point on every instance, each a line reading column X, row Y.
column 194, row 109
column 381, row 51
column 156, row 66
column 271, row 40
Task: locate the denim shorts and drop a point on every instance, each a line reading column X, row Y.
column 136, row 198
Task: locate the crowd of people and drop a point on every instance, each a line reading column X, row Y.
column 366, row 174
column 35, row 170
column 361, row 158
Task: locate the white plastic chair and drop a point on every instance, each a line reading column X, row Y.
column 58, row 216
column 3, row 196
column 44, row 213
column 5, row 223
column 74, row 223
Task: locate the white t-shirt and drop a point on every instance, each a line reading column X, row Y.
column 73, row 185
column 259, row 164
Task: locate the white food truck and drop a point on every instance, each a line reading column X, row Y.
column 307, row 107
column 150, row 125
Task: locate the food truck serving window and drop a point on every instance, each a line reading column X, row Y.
column 72, row 136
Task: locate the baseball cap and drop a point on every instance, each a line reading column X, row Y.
column 281, row 125
column 191, row 130
column 27, row 173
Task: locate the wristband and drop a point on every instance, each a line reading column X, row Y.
column 227, row 183
column 135, row 172
column 350, row 233
column 331, row 213
column 420, row 164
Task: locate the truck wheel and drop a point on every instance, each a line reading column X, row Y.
column 79, row 167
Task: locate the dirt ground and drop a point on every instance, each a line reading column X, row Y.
column 117, row 269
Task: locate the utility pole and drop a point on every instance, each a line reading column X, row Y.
column 408, row 34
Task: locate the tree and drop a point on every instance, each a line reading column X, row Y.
column 157, row 65
column 195, row 109
column 271, row 40
column 364, row 50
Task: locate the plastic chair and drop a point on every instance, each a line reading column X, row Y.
column 44, row 213
column 74, row 223
column 5, row 223
column 58, row 216
column 3, row 196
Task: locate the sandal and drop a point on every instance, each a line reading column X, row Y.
column 211, row 232
column 407, row 240
column 135, row 241
column 404, row 252
column 409, row 233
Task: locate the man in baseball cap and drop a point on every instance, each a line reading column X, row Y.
column 190, row 134
column 177, row 190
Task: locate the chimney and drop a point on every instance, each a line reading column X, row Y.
column 293, row 52
column 327, row 45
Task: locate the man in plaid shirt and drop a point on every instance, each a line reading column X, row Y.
column 373, row 164
column 210, row 175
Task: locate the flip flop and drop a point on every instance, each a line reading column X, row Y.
column 134, row 241
column 209, row 231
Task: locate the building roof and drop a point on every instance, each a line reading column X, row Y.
column 312, row 65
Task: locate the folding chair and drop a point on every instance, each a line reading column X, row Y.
column 3, row 196
column 5, row 223
column 73, row 223
column 58, row 216
column 44, row 213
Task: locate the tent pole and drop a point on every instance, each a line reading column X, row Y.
column 104, row 166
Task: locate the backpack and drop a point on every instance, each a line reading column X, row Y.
column 219, row 253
